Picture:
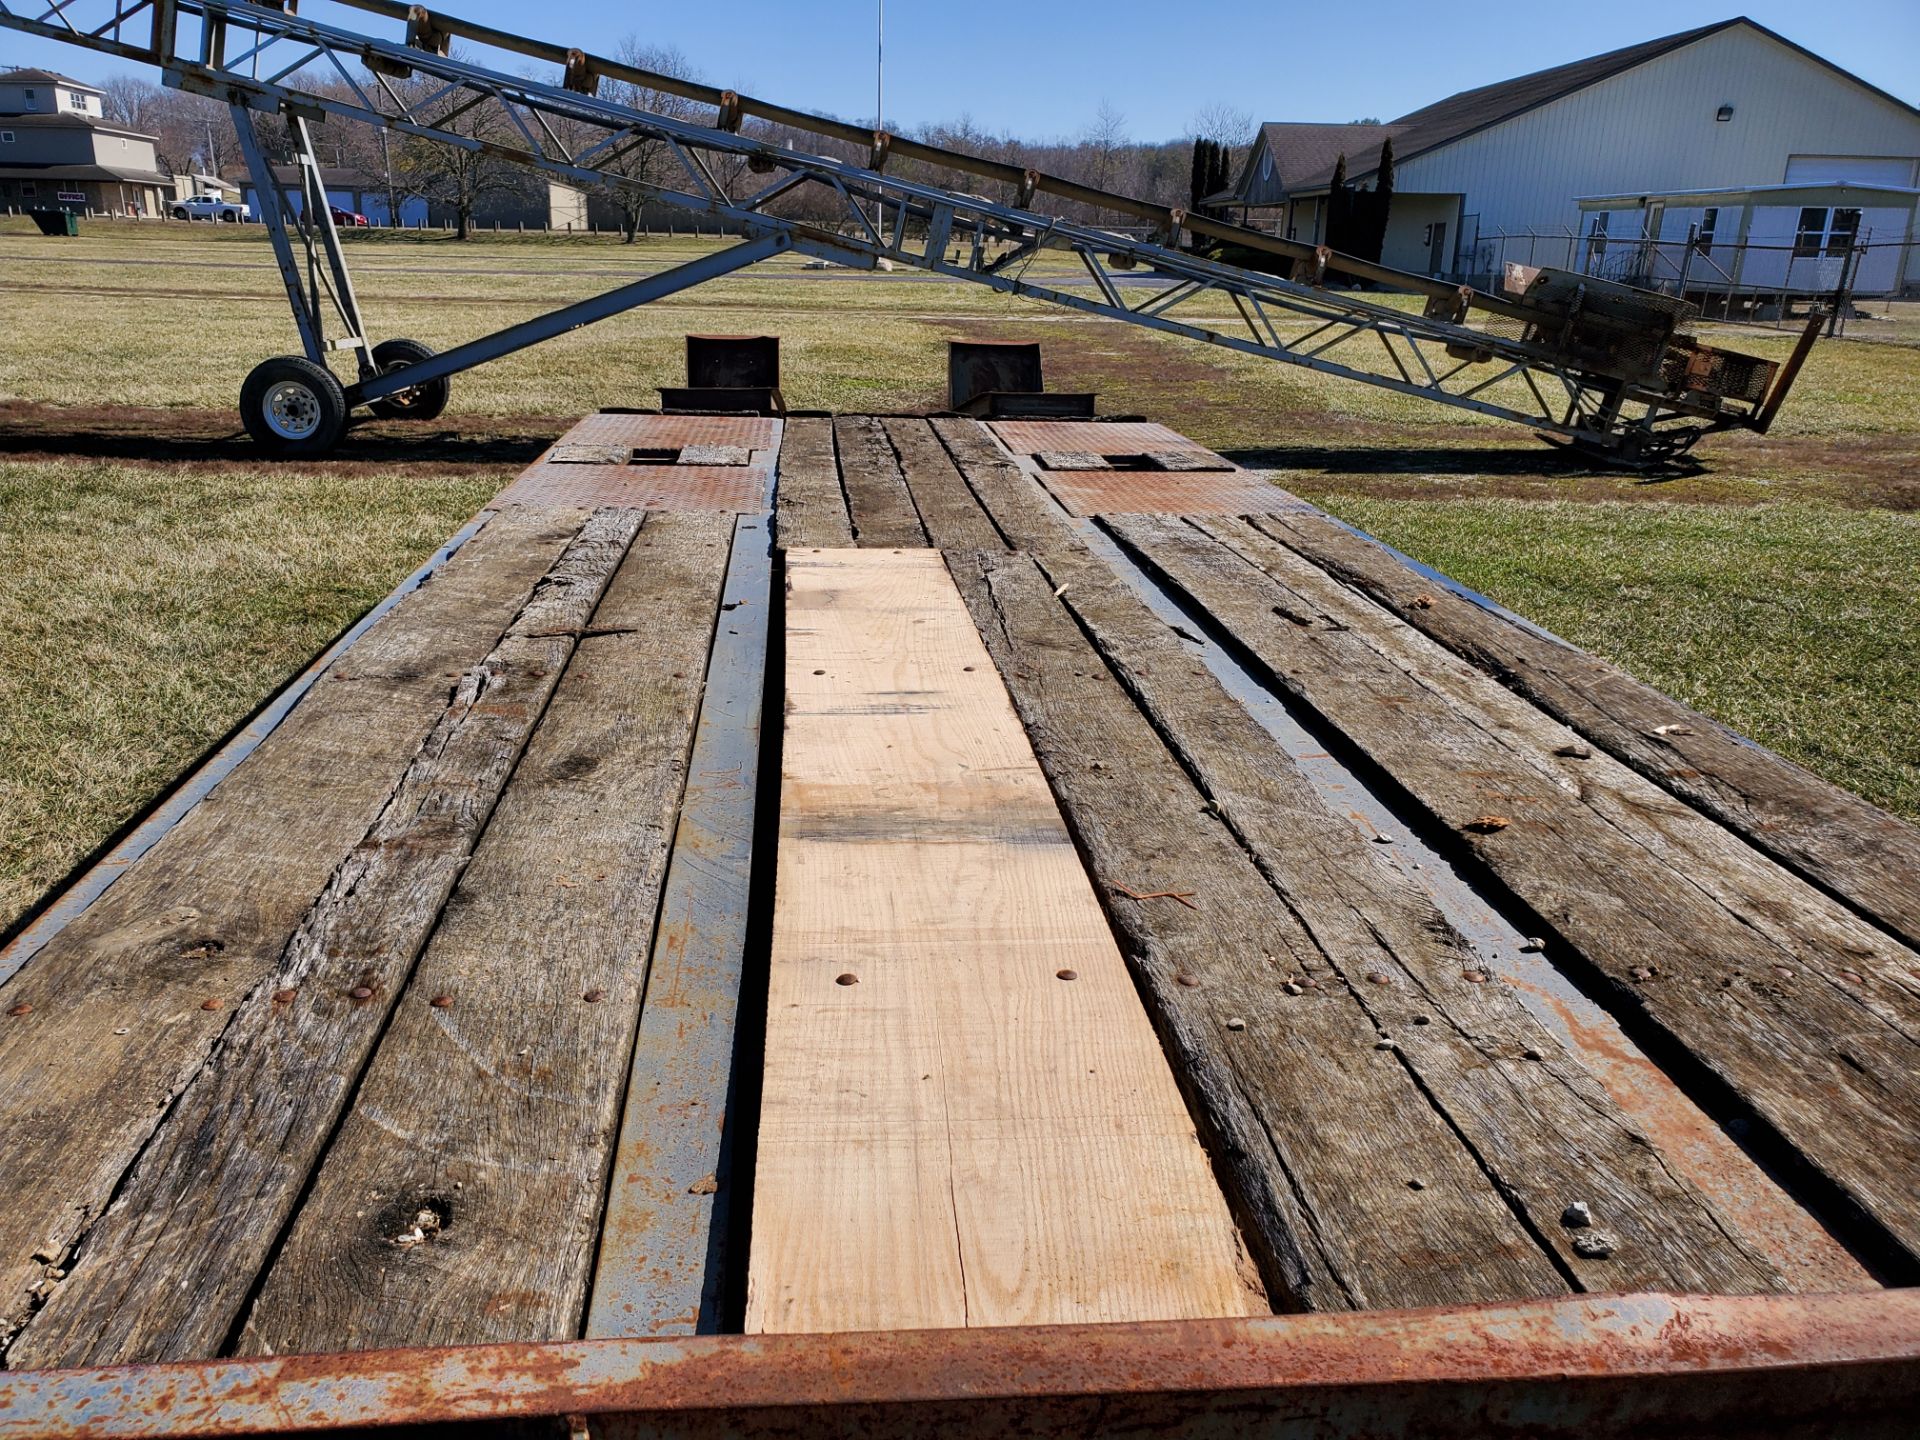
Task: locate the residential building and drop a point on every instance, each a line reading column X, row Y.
column 1727, row 106
column 57, row 151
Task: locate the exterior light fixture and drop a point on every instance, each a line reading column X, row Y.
column 1725, row 112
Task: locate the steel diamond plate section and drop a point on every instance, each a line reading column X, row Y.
column 1149, row 492
column 1095, row 437
column 558, row 478
column 644, row 432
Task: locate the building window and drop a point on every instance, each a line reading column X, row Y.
column 6, row 137
column 1831, row 232
column 1842, row 231
column 1812, row 232
column 1709, row 222
column 26, row 189
column 75, row 100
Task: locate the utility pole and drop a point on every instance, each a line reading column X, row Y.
column 386, row 160
column 879, row 89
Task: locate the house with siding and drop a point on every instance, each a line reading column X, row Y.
column 57, row 151
column 1731, row 106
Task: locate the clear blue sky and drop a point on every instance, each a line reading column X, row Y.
column 1047, row 73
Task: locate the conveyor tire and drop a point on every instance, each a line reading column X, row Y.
column 423, row 402
column 292, row 406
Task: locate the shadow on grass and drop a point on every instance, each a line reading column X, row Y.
column 1543, row 462
column 364, row 445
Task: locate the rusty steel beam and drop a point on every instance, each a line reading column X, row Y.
column 1580, row 1367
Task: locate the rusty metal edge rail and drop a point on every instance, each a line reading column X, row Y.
column 1843, row 1363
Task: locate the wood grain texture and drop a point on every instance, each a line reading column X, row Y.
column 877, row 497
column 208, row 911
column 164, row 1273
column 1317, row 1132
column 1021, row 511
column 669, row 1261
column 1795, row 1004
column 1544, row 1127
column 810, row 509
column 967, row 1120
column 952, row 517
column 496, row 1112
column 1830, row 836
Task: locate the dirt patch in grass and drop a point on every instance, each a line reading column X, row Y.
column 1434, row 463
column 1314, row 449
column 213, row 442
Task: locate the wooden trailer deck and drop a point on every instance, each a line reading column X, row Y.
column 1167, row 904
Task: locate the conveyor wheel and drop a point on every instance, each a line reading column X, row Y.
column 292, row 406
column 422, row 402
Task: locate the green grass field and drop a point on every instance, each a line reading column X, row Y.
column 149, row 603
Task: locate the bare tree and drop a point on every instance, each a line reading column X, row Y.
column 1224, row 124
column 453, row 175
column 1104, row 139
column 646, row 160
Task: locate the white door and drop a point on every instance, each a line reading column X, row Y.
column 1859, row 169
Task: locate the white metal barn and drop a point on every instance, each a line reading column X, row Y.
column 1729, row 106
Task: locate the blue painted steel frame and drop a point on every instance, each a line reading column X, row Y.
column 661, row 1267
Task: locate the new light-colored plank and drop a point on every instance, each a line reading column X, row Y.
column 952, row 1133
column 164, row 1273
column 811, row 508
column 495, row 1111
column 204, row 913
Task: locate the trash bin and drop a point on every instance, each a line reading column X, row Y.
column 56, row 222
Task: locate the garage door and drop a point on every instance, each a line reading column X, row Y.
column 1860, row 169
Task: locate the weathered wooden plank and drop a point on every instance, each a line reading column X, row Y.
column 1809, row 928
column 1316, row 1132
column 966, row 1120
column 460, row 1200
column 1024, row 513
column 1737, row 962
column 163, row 1274
column 204, row 914
column 1848, row 847
column 811, row 510
column 877, row 497
column 664, row 1265
column 952, row 517
column 1539, row 1122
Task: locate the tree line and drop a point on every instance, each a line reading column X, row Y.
column 194, row 134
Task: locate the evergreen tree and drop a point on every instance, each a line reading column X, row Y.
column 1382, row 203
column 1339, row 208
column 1223, row 168
column 1197, row 185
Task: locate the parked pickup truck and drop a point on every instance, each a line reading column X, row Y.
column 211, row 207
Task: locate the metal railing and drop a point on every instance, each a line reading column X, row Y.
column 1767, row 281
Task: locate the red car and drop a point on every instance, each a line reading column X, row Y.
column 346, row 217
